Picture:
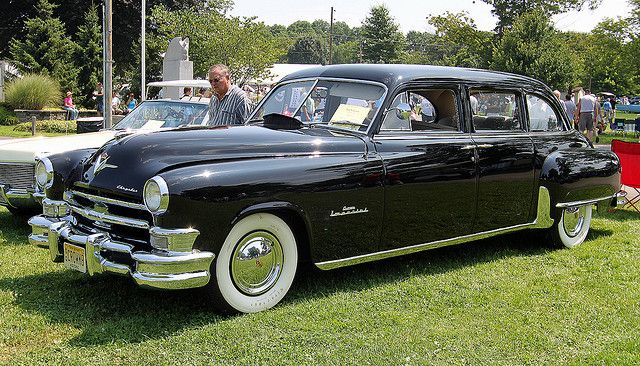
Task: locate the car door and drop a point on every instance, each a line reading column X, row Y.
column 429, row 162
column 506, row 181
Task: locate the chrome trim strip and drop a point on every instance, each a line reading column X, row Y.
column 111, row 201
column 585, row 202
column 109, row 218
column 543, row 220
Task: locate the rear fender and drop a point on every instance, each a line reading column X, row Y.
column 580, row 175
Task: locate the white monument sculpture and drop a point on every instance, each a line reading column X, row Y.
column 176, row 66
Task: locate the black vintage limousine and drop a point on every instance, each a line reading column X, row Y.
column 337, row 165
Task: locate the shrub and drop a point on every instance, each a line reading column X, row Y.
column 33, row 91
column 7, row 117
column 50, row 126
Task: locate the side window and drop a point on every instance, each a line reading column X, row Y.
column 541, row 115
column 494, row 110
column 423, row 110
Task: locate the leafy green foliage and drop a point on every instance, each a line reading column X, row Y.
column 46, row 48
column 89, row 56
column 532, row 47
column 246, row 46
column 48, row 126
column 460, row 42
column 508, row 11
column 7, row 117
column 33, row 92
column 307, row 50
column 382, row 41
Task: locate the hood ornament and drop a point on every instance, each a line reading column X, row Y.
column 101, row 163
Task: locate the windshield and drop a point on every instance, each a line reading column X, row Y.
column 159, row 114
column 344, row 104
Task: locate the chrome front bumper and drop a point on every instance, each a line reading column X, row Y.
column 162, row 269
column 16, row 198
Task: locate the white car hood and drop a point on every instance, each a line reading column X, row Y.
column 21, row 150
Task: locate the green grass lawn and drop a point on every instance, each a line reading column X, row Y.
column 510, row 300
column 8, row 131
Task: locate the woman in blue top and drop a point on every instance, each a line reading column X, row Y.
column 131, row 102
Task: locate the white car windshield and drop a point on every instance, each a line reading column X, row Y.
column 154, row 114
column 344, row 104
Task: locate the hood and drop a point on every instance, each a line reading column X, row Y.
column 124, row 165
column 21, row 150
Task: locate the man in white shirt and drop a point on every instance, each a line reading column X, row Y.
column 586, row 107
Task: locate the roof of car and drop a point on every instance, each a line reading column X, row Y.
column 395, row 74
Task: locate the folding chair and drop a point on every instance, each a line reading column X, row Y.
column 629, row 155
column 618, row 125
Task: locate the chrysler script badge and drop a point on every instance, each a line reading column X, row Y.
column 348, row 210
column 101, row 163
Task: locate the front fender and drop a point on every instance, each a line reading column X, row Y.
column 581, row 174
column 64, row 170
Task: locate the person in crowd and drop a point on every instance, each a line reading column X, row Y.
column 186, row 92
column 606, row 108
column 229, row 105
column 570, row 107
column 557, row 94
column 132, row 102
column 98, row 95
column 115, row 104
column 586, row 108
column 70, row 107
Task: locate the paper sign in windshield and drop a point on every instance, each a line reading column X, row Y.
column 350, row 113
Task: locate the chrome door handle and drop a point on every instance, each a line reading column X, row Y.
column 468, row 147
column 484, row 146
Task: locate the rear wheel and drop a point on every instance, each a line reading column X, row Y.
column 256, row 265
column 572, row 226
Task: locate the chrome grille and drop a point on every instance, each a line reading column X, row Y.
column 17, row 176
column 124, row 220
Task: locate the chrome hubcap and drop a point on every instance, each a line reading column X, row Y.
column 256, row 263
column 573, row 220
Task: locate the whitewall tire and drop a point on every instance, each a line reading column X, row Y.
column 572, row 226
column 256, row 264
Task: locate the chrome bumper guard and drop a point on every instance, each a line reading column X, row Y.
column 161, row 269
column 15, row 197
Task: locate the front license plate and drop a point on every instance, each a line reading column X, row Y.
column 74, row 258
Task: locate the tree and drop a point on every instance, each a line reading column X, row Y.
column 460, row 42
column 346, row 53
column 532, row 47
column 46, row 49
column 307, row 50
column 247, row 47
column 381, row 40
column 508, row 10
column 88, row 56
column 611, row 64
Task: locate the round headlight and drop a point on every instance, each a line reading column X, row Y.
column 156, row 195
column 44, row 173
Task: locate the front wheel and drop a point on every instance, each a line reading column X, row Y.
column 572, row 226
column 256, row 265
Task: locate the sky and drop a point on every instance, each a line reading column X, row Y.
column 410, row 14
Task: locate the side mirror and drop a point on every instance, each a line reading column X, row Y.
column 403, row 111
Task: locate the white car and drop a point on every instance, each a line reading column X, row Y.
column 17, row 156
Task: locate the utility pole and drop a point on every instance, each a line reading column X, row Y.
column 143, row 50
column 331, row 39
column 107, row 39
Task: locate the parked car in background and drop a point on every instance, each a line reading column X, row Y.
column 339, row 165
column 17, row 156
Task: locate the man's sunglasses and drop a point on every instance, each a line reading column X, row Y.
column 214, row 81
